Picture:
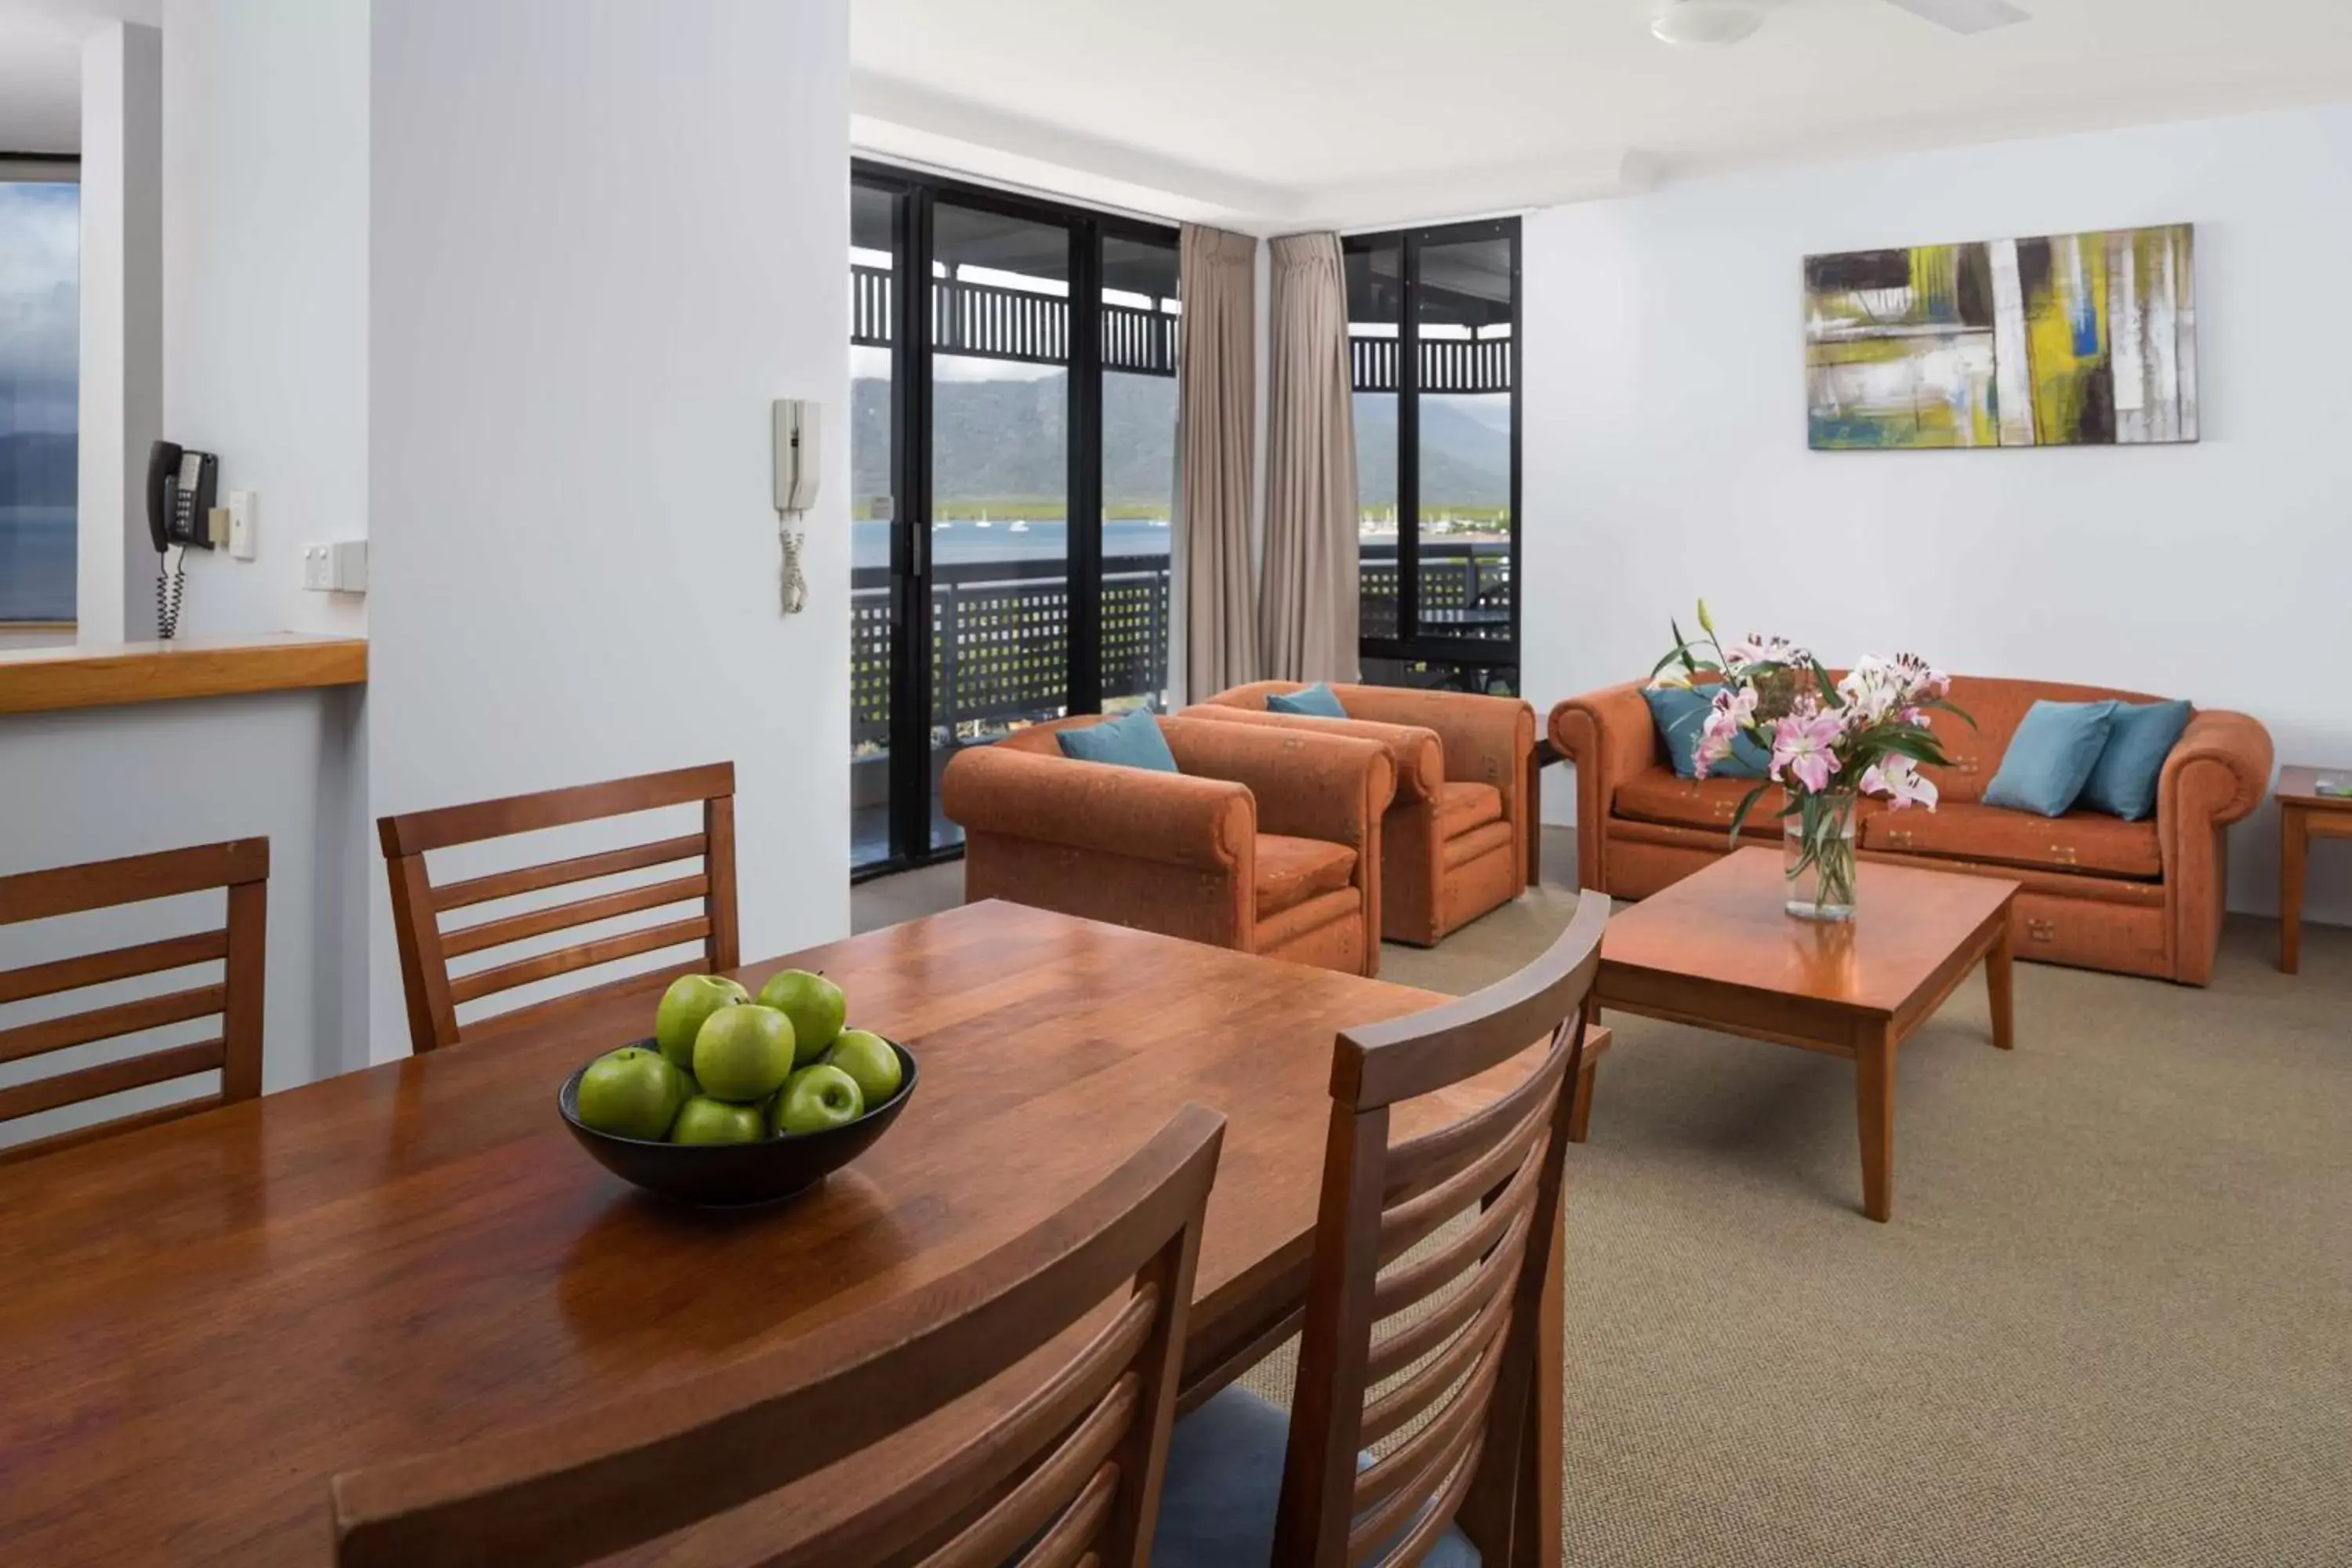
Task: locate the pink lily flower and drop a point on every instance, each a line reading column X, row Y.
column 1803, row 747
column 1899, row 780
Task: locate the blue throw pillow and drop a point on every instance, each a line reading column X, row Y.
column 1680, row 713
column 1316, row 701
column 1132, row 740
column 2141, row 735
column 2051, row 757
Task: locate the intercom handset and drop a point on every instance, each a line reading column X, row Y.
column 181, row 483
column 794, row 449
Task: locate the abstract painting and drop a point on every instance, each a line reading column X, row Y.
column 2064, row 341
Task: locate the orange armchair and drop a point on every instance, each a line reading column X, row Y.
column 1459, row 838
column 1265, row 841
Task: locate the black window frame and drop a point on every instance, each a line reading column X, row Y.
column 919, row 190
column 1412, row 645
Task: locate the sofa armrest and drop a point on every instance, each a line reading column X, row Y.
column 1414, row 752
column 1487, row 739
column 1202, row 823
column 1306, row 785
column 2220, row 768
column 1608, row 735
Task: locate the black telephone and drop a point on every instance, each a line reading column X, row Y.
column 181, row 483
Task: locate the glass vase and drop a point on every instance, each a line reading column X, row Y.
column 1817, row 856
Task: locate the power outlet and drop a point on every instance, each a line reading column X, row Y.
column 340, row 567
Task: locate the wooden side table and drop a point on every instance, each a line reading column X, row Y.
column 2304, row 815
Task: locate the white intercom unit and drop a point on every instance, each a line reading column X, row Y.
column 795, row 444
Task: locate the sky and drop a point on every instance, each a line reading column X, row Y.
column 40, row 311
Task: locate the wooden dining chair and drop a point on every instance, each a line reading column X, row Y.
column 426, row 946
column 242, row 867
column 1069, row 1474
column 1422, row 1320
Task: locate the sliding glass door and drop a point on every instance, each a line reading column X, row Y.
column 1432, row 321
column 1015, row 458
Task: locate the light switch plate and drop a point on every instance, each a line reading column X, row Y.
column 240, row 524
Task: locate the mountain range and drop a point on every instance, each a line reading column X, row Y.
column 1002, row 441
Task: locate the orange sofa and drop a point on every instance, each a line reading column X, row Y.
column 1266, row 841
column 2136, row 898
column 1459, row 838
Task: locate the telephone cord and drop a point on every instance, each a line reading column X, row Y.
column 795, row 583
column 171, row 583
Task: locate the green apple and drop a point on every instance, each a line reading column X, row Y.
column 814, row 1004
column 703, row 1119
column 690, row 999
column 816, row 1099
column 743, row 1053
column 869, row 1061
column 631, row 1092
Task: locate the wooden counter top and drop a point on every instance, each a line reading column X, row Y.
column 102, row 675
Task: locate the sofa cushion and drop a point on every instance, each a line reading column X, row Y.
column 2051, row 757
column 1132, row 740
column 1292, row 870
column 1680, row 713
column 1658, row 795
column 1316, row 701
column 2080, row 841
column 2139, row 737
column 1462, row 806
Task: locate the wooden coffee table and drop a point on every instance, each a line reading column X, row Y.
column 1717, row 949
column 2304, row 815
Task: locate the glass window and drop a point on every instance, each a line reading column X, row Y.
column 1138, row 467
column 40, row 331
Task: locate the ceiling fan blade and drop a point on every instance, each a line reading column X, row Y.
column 1965, row 15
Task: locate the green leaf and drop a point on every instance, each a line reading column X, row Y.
column 1740, row 815
column 1829, row 687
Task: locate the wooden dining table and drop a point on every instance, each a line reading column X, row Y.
column 202, row 1323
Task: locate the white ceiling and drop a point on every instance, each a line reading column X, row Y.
column 1361, row 110
column 40, row 67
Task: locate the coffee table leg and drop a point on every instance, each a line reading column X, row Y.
column 2294, row 850
column 1874, row 1104
column 1999, row 977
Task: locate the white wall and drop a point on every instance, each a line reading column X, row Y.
column 121, row 392
column 265, row 291
column 1667, row 454
column 603, row 238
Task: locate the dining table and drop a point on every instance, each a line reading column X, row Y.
column 203, row 1322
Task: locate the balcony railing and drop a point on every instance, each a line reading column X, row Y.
column 986, row 320
column 1465, row 588
column 999, row 642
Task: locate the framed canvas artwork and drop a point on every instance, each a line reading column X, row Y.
column 2066, row 340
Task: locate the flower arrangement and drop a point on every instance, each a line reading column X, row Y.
column 1831, row 742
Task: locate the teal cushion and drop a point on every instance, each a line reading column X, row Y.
column 1130, row 740
column 2140, row 736
column 1224, row 1483
column 1316, row 699
column 2051, row 757
column 1680, row 713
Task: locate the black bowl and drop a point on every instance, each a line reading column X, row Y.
column 727, row 1176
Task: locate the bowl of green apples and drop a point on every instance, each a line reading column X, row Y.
column 738, row 1099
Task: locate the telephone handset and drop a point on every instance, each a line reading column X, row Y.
column 181, row 483
column 795, row 460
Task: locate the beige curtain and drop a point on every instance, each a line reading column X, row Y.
column 1216, row 401
column 1306, row 610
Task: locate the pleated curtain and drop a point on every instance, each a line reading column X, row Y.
column 1215, row 408
column 1307, row 608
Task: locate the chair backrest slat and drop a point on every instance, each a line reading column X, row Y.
column 1429, row 1257
column 1073, row 1470
column 434, row 995
column 238, row 867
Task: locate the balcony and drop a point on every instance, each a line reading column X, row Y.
column 999, row 631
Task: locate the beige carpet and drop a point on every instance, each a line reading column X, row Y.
column 2111, row 1322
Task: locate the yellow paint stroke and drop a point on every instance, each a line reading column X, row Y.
column 2076, row 292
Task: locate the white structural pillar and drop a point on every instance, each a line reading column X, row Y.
column 121, row 328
